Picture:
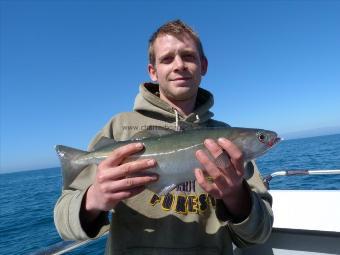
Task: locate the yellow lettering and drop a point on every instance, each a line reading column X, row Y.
column 192, row 204
column 181, row 205
column 167, row 202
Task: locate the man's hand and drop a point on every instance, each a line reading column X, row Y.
column 227, row 182
column 116, row 181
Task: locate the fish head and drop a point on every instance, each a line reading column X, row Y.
column 255, row 142
column 268, row 138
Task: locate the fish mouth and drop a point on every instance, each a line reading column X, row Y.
column 274, row 141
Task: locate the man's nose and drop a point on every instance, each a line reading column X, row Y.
column 179, row 63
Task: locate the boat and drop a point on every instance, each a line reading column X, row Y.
column 305, row 222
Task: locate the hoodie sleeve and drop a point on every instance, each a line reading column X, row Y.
column 256, row 228
column 67, row 211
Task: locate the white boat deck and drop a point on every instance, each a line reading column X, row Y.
column 307, row 209
column 305, row 222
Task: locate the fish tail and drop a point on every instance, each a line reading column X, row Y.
column 69, row 167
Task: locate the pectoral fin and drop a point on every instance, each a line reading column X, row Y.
column 222, row 161
column 167, row 190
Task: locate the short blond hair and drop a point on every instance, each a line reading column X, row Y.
column 175, row 28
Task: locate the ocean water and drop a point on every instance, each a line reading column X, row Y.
column 27, row 198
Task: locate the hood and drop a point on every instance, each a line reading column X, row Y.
column 148, row 103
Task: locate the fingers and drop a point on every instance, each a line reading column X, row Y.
column 213, row 147
column 128, row 184
column 226, row 178
column 220, row 157
column 209, row 187
column 235, row 154
column 125, row 194
column 97, row 201
column 212, row 170
column 125, row 170
column 117, row 179
column 119, row 154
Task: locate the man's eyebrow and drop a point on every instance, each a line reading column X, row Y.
column 182, row 51
column 188, row 51
column 165, row 54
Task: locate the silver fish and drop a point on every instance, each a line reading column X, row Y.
column 173, row 151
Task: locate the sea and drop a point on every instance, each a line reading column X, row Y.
column 27, row 198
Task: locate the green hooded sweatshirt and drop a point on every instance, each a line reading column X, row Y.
column 185, row 221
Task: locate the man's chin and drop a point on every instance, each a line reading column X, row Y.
column 183, row 93
column 182, row 85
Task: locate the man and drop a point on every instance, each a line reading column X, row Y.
column 199, row 217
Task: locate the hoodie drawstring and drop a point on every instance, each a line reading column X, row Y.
column 178, row 128
column 197, row 119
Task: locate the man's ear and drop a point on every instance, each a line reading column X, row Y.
column 152, row 72
column 204, row 66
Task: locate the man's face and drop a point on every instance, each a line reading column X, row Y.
column 178, row 67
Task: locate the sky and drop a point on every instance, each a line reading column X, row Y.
column 67, row 67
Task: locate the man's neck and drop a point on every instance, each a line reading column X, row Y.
column 184, row 107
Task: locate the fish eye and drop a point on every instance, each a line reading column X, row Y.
column 261, row 137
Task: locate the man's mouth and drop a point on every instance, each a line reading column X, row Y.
column 181, row 79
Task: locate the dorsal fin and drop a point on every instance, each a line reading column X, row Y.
column 103, row 141
column 154, row 132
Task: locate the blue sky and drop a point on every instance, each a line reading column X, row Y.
column 68, row 66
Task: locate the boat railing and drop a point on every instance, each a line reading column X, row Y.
column 268, row 178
